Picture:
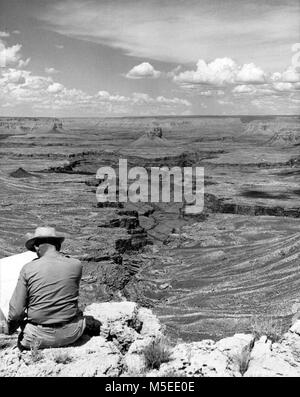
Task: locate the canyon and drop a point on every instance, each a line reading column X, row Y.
column 207, row 275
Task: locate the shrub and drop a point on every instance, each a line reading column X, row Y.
column 270, row 327
column 61, row 357
column 172, row 373
column 156, row 353
column 4, row 344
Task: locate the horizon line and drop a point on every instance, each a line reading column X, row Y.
column 149, row 116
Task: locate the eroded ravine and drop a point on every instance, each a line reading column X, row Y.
column 205, row 276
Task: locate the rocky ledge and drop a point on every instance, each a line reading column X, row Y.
column 119, row 334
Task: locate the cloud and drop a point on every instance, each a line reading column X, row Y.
column 142, row 71
column 275, row 84
column 106, row 96
column 277, row 106
column 221, row 72
column 239, row 83
column 51, row 70
column 13, row 76
column 218, row 72
column 284, row 86
column 59, row 46
column 54, row 88
column 225, row 102
column 4, row 34
column 243, row 89
column 290, row 75
column 43, row 94
column 173, row 101
column 20, row 87
column 174, row 71
column 9, row 55
column 22, row 64
column 153, row 30
column 250, row 73
column 16, row 32
column 208, row 92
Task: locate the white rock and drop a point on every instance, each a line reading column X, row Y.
column 112, row 311
column 235, row 344
column 296, row 327
column 272, row 360
column 271, row 365
column 151, row 325
column 134, row 360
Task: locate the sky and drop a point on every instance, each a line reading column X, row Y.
column 89, row 58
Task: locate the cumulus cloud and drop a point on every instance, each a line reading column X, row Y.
column 142, row 71
column 139, row 97
column 218, row 72
column 13, row 76
column 289, row 79
column 250, row 73
column 290, row 75
column 284, row 86
column 173, row 101
column 51, row 70
column 106, row 96
column 240, row 83
column 275, row 84
column 44, row 94
column 54, row 88
column 9, row 55
column 270, row 89
column 23, row 63
column 21, row 87
column 4, row 34
column 243, row 89
column 221, row 72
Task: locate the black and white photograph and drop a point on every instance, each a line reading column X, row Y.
column 150, row 191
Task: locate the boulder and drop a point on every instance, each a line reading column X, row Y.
column 235, row 346
column 278, row 359
column 124, row 322
column 296, row 328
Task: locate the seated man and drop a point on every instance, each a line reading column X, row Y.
column 46, row 295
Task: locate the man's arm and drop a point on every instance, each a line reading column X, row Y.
column 17, row 304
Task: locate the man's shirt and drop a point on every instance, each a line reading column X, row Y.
column 48, row 289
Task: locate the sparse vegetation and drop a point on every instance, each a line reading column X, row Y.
column 4, row 344
column 172, row 373
column 35, row 354
column 157, row 353
column 61, row 357
column 271, row 327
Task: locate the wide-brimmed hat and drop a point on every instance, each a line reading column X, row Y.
column 43, row 235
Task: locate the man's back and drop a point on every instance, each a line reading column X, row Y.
column 52, row 286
